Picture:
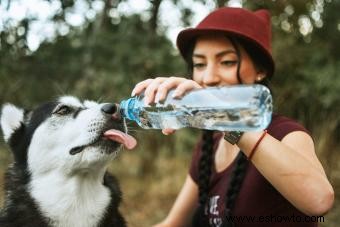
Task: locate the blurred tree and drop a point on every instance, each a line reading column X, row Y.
column 221, row 3
column 110, row 52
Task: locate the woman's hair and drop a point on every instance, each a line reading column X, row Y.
column 235, row 183
column 204, row 173
column 205, row 167
column 206, row 160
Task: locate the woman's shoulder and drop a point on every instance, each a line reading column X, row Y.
column 281, row 125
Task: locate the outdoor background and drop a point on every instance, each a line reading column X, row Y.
column 99, row 49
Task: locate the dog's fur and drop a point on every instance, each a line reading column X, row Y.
column 59, row 175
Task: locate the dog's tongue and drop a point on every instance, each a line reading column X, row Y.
column 128, row 141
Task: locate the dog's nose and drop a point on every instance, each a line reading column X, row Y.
column 110, row 108
column 113, row 110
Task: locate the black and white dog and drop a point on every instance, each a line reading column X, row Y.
column 59, row 176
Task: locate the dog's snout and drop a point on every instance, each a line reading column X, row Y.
column 110, row 108
column 113, row 110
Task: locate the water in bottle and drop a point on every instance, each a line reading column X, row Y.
column 227, row 108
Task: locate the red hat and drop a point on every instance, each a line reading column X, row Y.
column 253, row 26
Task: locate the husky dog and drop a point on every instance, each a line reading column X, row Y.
column 59, row 177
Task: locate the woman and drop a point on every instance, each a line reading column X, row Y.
column 260, row 176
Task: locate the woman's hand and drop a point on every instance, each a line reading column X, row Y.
column 157, row 89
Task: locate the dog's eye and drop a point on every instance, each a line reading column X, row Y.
column 63, row 110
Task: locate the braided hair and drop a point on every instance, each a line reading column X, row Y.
column 205, row 168
column 235, row 184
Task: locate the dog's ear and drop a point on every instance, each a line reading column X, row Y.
column 12, row 118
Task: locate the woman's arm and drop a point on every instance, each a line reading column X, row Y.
column 292, row 167
column 184, row 207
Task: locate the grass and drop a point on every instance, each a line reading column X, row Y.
column 151, row 178
column 147, row 199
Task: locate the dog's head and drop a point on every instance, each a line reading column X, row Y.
column 66, row 134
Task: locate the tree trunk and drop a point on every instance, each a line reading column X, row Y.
column 154, row 15
column 221, row 3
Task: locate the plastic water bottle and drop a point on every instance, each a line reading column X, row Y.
column 229, row 108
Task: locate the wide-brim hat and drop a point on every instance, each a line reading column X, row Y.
column 255, row 27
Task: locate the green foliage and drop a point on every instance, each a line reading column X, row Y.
column 89, row 65
column 122, row 55
column 307, row 82
column 107, row 56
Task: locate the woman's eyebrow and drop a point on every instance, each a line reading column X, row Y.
column 225, row 52
column 219, row 54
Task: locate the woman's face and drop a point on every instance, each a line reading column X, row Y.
column 215, row 62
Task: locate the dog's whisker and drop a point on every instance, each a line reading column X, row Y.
column 59, row 89
column 100, row 99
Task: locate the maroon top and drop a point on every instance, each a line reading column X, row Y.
column 258, row 202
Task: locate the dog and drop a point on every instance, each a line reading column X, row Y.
column 61, row 152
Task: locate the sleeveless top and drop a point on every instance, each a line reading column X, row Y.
column 258, row 202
